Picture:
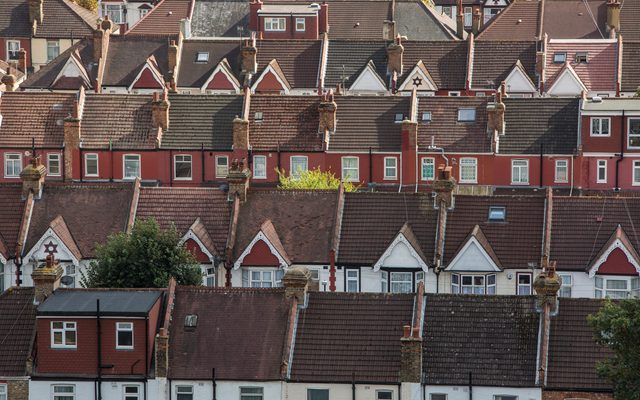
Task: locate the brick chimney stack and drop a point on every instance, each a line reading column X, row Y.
column 72, row 132
column 10, row 81
column 296, row 283
column 160, row 110
column 254, row 20
column 327, row 110
column 32, row 177
column 173, row 56
column 476, row 21
column 46, row 278
column 395, row 53
column 460, row 21
column 22, row 61
column 240, row 134
column 496, row 112
column 248, row 56
column 411, row 355
column 613, row 15
column 238, row 179
column 323, row 18
column 36, row 13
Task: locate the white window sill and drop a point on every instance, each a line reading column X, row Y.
column 182, row 179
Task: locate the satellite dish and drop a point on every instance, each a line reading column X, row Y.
column 67, row 280
column 27, row 153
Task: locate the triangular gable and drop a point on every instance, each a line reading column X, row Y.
column 611, row 258
column 368, row 80
column 73, row 68
column 269, row 237
column 272, row 79
column 518, row 81
column 222, row 78
column 199, row 235
column 495, row 3
column 568, row 83
column 419, row 79
column 58, row 240
column 404, row 251
column 4, row 252
column 149, row 76
column 475, row 255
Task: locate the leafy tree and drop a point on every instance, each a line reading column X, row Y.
column 312, row 179
column 148, row 257
column 617, row 326
column 90, row 5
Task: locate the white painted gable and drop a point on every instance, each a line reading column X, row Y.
column 400, row 254
column 51, row 242
column 518, row 82
column 567, row 84
column 368, row 81
column 72, row 69
column 419, row 81
column 472, row 258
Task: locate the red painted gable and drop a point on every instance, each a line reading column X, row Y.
column 220, row 81
column 269, row 83
column 195, row 249
column 147, row 81
column 617, row 264
column 260, row 255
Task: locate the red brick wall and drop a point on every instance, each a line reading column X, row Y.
column 310, row 32
column 24, row 43
column 602, row 144
column 553, row 395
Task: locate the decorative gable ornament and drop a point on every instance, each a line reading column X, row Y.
column 617, row 241
column 476, row 255
column 403, row 252
column 268, row 236
column 198, row 234
column 419, row 79
column 222, row 79
column 568, row 83
column 51, row 243
column 518, row 81
column 368, row 80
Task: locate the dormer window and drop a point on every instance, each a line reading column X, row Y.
column 300, row 25
column 274, row 24
column 257, row 117
column 581, row 57
column 202, row 57
column 426, row 116
column 124, row 335
column 559, row 58
column 497, row 214
column 466, row 114
column 63, row 335
column 398, row 118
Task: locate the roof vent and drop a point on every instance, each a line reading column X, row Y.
column 314, row 6
column 191, row 321
column 596, row 99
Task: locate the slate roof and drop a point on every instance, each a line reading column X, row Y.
column 630, row 72
column 368, row 121
column 577, row 236
column 17, row 329
column 573, row 353
column 444, row 127
column 288, row 122
column 65, row 19
column 341, row 336
column 346, row 59
column 163, row 19
column 127, row 55
column 629, row 16
column 11, row 210
column 371, row 221
column 361, row 20
column 14, row 18
column 303, row 219
column 517, row 22
column 220, row 18
column 123, row 120
column 494, row 60
column 39, row 116
column 552, row 122
column 240, row 332
column 113, row 302
column 493, row 337
column 206, row 120
column 298, row 59
column 182, row 206
column 91, row 211
column 446, row 61
column 417, row 21
column 571, row 19
column 516, row 242
column 194, row 73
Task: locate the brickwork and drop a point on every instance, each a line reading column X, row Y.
column 18, row 389
column 559, row 395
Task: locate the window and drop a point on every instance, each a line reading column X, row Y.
column 317, row 394
column 184, row 392
column 634, row 132
column 519, row 172
column 274, row 24
column 258, row 116
column 12, row 165
column 210, row 277
column 473, row 284
column 559, row 58
column 565, row 289
column 114, row 11
column 53, row 49
column 581, row 57
column 384, row 281
column 426, row 116
column 390, row 168
column 353, row 280
column 636, row 173
column 299, row 165
column 614, row 288
column 497, row 214
column 428, row 169
column 131, row 168
column 384, row 394
column 142, row 12
column 13, row 48
column 401, row 282
column 489, row 13
column 419, row 278
column 251, row 393
column 222, row 166
column 455, row 283
column 468, row 170
column 259, row 167
column 437, row 396
column 91, row 164
column 600, row 126
column 562, row 171
column 504, row 397
column 202, row 57
column 454, row 94
column 1, row 283
column 124, row 335
column 350, row 170
column 64, row 392
column 300, row 25
column 182, row 167
column 63, row 335
column 524, row 284
column 446, row 10
column 70, row 271
column 3, row 391
column 131, row 392
column 262, row 278
column 468, row 16
column 491, row 284
column 466, row 114
column 53, row 164
column 602, row 171
column 398, row 118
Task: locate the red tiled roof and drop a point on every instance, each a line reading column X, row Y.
column 446, row 61
column 65, row 19
column 163, row 19
column 519, row 21
column 599, row 73
column 17, row 330
column 299, row 60
column 572, row 19
column 11, row 210
column 361, row 20
column 494, row 60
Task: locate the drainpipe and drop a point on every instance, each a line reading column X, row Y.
column 213, row 382
column 353, row 383
column 370, row 167
column 617, row 188
column 99, row 340
column 170, row 168
column 202, row 160
column 541, row 164
column 470, row 385
column 111, row 156
column 82, row 164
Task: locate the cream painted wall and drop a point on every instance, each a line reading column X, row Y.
column 39, row 50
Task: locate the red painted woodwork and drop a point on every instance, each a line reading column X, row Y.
column 270, row 83
column 195, row 249
column 312, row 28
column 260, row 255
column 147, row 81
column 617, row 264
column 220, row 82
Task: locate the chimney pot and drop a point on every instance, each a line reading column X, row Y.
column 406, row 331
column 395, row 53
column 613, row 15
column 160, row 110
column 46, row 279
column 476, row 21
column 296, row 283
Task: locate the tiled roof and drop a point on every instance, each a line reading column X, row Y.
column 583, row 225
column 417, row 21
column 303, row 220
column 494, row 60
column 127, row 55
column 17, row 329
column 14, row 18
column 446, row 61
column 571, row 19
column 298, row 59
column 629, row 15
column 196, row 121
column 516, row 242
column 368, row 121
column 45, row 76
column 495, row 338
column 195, row 73
column 630, row 66
column 181, row 207
column 345, row 336
column 552, row 122
column 444, row 127
column 288, row 123
column 120, row 119
column 518, row 21
column 599, row 73
column 91, row 212
column 371, row 221
column 163, row 19
column 39, row 116
column 220, row 18
column 240, row 332
column 362, row 20
column 346, row 59
column 573, row 353
column 11, row 210
column 65, row 19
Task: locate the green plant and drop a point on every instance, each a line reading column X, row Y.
column 312, row 179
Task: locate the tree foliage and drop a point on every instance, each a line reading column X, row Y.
column 91, row 5
column 147, row 257
column 312, row 179
column 617, row 326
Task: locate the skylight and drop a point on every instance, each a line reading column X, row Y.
column 258, row 116
column 203, row 56
column 398, row 118
column 497, row 214
column 466, row 114
column 190, row 320
column 559, row 58
column 426, row 116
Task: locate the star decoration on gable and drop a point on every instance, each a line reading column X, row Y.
column 50, row 248
column 417, row 81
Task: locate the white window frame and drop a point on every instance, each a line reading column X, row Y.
column 384, row 391
column 222, row 170
column 316, row 388
column 13, row 161
column 114, row 11
column 184, row 390
column 565, row 288
column 561, row 165
column 346, row 170
column 10, row 44
column 275, row 24
column 295, row 174
column 251, row 396
column 67, row 326
column 520, row 171
column 354, row 278
column 209, row 278
column 131, row 396
column 63, row 395
column 601, row 165
column 3, row 391
column 182, row 159
column 488, row 285
column 275, row 280
column 597, row 122
column 393, row 168
column 579, row 55
column 142, row 12
column 420, row 277
column 635, row 173
column 50, row 159
column 301, row 24
column 468, row 16
column 263, row 174
column 202, row 57
column 131, row 158
column 464, row 114
column 124, row 327
column 633, row 135
column 86, row 164
column 53, row 44
column 384, row 281
column 632, row 287
column 454, row 93
column 560, row 57
column 400, row 283
column 426, row 161
column 528, row 287
column 432, row 396
column 473, row 165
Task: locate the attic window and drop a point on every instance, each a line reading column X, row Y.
column 398, row 118
column 203, row 56
column 191, row 321
column 466, row 114
column 497, row 214
column 258, row 116
column 426, row 116
column 581, row 57
column 559, row 58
